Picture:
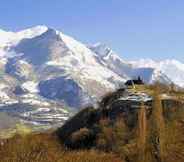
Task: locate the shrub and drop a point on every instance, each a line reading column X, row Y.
column 31, row 148
column 83, row 138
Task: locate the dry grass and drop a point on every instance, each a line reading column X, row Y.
column 46, row 148
column 89, row 156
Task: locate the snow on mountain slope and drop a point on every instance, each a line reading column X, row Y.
column 56, row 49
column 31, row 32
column 173, row 69
column 20, row 69
column 30, row 86
column 5, row 36
column 87, row 63
column 111, row 60
column 9, row 39
column 44, row 55
column 128, row 69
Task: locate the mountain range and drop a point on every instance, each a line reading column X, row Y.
column 44, row 73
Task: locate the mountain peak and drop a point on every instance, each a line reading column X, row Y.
column 35, row 28
column 32, row 32
column 50, row 33
column 8, row 37
column 100, row 49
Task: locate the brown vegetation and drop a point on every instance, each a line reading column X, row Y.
column 46, row 148
column 142, row 133
column 105, row 135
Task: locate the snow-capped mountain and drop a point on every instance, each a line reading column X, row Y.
column 173, row 69
column 43, row 72
column 44, row 69
column 111, row 60
column 126, row 69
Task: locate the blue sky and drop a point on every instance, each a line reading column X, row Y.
column 133, row 28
